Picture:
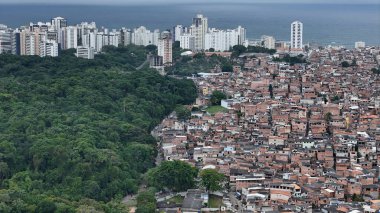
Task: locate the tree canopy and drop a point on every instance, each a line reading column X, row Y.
column 345, row 64
column 376, row 70
column 182, row 112
column 217, row 97
column 291, row 59
column 211, row 179
column 270, row 88
column 258, row 49
column 173, row 175
column 237, row 50
column 146, row 202
column 227, row 68
column 75, row 133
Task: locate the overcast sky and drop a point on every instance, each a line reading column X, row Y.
column 113, row 2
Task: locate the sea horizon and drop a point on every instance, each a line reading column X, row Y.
column 334, row 27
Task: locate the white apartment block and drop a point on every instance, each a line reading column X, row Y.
column 49, row 48
column 296, row 35
column 224, row 40
column 125, row 36
column 143, row 36
column 199, row 29
column 6, row 40
column 187, row 41
column 178, row 32
column 268, row 42
column 359, row 44
column 69, row 37
column 85, row 52
column 114, row 39
column 89, row 40
column 100, row 41
column 57, row 24
column 84, row 29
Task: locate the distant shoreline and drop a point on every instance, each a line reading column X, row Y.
column 324, row 23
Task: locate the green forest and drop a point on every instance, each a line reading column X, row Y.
column 75, row 133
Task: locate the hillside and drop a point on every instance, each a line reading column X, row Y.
column 74, row 133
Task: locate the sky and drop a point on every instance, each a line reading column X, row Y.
column 126, row 2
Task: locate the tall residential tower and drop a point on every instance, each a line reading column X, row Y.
column 165, row 48
column 296, row 35
column 199, row 30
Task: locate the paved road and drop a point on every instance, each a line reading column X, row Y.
column 235, row 202
column 128, row 198
column 143, row 64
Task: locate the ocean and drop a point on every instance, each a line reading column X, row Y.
column 324, row 24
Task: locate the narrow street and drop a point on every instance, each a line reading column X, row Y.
column 235, row 201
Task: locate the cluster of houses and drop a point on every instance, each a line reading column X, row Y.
column 292, row 137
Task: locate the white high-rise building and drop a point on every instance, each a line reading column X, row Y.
column 89, row 40
column 6, row 40
column 85, row 52
column 165, row 48
column 359, row 44
column 268, row 42
column 84, row 29
column 242, row 33
column 49, row 48
column 199, row 30
column 178, row 32
column 100, row 41
column 216, row 39
column 57, row 24
column 52, row 48
column 296, row 40
column 155, row 37
column 140, row 36
column 69, row 37
column 224, row 40
column 125, row 36
column 143, row 36
column 187, row 41
column 113, row 39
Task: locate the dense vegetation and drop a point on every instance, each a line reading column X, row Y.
column 187, row 65
column 182, row 112
column 291, row 59
column 74, row 133
column 376, row 70
column 237, row 50
column 217, row 97
column 174, row 175
column 146, row 202
column 211, row 179
column 258, row 49
column 345, row 64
